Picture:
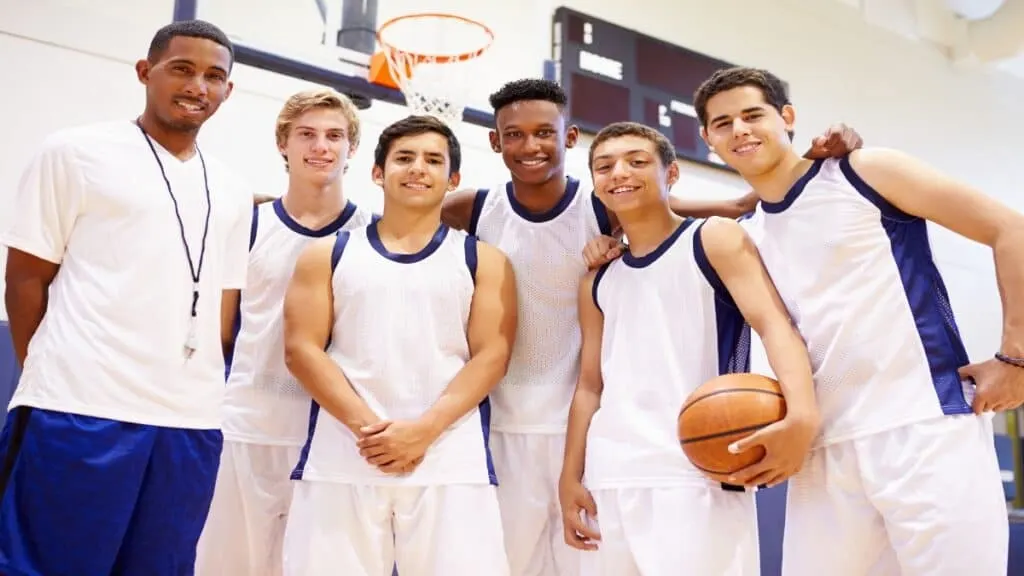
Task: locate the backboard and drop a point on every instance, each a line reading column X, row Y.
column 330, row 42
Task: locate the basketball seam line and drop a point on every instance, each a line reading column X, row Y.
column 730, row 391
column 750, row 428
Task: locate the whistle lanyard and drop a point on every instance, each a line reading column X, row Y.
column 195, row 269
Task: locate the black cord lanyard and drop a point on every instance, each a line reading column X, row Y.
column 195, row 270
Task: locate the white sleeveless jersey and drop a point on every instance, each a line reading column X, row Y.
column 264, row 404
column 857, row 276
column 546, row 252
column 400, row 336
column 669, row 326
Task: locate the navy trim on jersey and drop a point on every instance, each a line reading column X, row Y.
column 340, row 241
column 646, row 260
column 926, row 294
column 435, row 242
column 733, row 330
column 485, row 426
column 794, row 192
column 604, row 221
column 471, row 256
column 571, row 186
column 300, row 466
column 597, row 280
column 332, row 227
column 478, row 208
column 254, row 226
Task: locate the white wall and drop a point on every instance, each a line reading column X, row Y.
column 69, row 62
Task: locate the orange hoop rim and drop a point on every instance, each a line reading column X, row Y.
column 420, row 58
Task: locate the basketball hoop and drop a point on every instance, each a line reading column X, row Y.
column 431, row 56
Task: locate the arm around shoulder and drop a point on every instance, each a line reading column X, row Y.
column 457, row 209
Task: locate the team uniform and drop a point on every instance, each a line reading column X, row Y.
column 669, row 326
column 531, row 404
column 400, row 336
column 903, row 475
column 111, row 449
column 266, row 410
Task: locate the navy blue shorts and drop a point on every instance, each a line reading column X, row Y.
column 89, row 496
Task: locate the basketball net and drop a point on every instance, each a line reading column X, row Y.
column 433, row 59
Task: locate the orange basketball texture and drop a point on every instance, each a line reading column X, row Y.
column 723, row 410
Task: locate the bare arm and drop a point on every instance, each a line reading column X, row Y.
column 732, row 208
column 308, row 317
column 228, row 313
column 587, row 397
column 457, row 210
column 492, row 331
column 28, row 281
column 920, row 190
column 736, row 261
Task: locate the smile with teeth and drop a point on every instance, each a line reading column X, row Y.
column 622, row 190
column 747, row 148
column 416, row 186
column 318, row 162
column 191, row 107
column 533, row 161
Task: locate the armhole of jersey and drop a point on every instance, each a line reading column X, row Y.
column 374, row 218
column 340, row 241
column 604, row 221
column 707, row 269
column 471, row 256
column 887, row 209
column 254, row 226
column 478, row 208
column 597, row 281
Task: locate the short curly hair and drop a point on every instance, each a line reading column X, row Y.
column 528, row 89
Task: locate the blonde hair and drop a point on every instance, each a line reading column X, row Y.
column 302, row 102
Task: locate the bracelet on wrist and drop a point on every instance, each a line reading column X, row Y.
column 1012, row 361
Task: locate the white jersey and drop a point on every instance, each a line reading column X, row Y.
column 101, row 201
column 400, row 336
column 546, row 252
column 669, row 326
column 857, row 276
column 264, row 403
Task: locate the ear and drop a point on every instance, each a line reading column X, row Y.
column 229, row 90
column 704, row 136
column 789, row 117
column 495, row 141
column 352, row 151
column 142, row 71
column 673, row 174
column 378, row 175
column 453, row 181
column 283, row 148
column 572, row 136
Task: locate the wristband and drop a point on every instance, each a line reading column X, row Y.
column 1018, row 362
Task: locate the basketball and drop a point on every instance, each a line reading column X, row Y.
column 723, row 410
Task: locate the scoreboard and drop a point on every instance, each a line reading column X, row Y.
column 613, row 74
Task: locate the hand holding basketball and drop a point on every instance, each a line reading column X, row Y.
column 785, row 444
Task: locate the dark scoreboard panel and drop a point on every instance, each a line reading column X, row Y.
column 613, row 74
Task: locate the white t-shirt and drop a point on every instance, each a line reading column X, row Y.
column 112, row 342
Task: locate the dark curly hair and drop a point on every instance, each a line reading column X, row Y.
column 528, row 89
column 187, row 29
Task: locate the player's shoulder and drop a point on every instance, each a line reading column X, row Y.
column 723, row 236
column 92, row 139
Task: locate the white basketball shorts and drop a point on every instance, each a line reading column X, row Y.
column 450, row 530
column 244, row 531
column 699, row 530
column 920, row 500
column 528, row 467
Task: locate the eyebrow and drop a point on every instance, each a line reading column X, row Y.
column 183, row 60
column 744, row 111
column 626, row 153
column 413, row 152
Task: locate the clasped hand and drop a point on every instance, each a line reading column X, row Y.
column 394, row 447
